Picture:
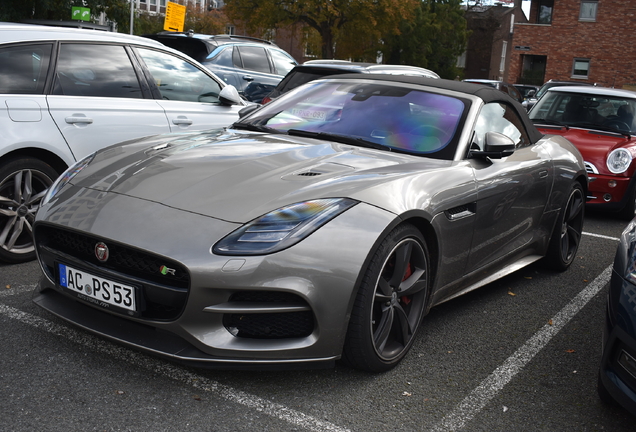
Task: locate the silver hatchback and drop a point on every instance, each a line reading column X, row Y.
column 65, row 93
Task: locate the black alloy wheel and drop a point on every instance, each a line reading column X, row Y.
column 566, row 236
column 390, row 303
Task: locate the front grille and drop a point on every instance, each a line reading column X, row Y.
column 163, row 295
column 278, row 325
column 590, row 168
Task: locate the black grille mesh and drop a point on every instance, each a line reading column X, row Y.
column 269, row 325
column 122, row 259
column 162, row 297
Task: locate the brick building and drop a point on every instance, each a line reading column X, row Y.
column 590, row 41
column 490, row 42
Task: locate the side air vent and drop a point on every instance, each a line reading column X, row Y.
column 460, row 212
column 309, row 174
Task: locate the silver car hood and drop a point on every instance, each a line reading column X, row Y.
column 239, row 176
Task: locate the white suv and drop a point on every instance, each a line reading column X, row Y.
column 65, row 93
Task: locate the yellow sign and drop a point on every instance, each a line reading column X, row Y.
column 175, row 17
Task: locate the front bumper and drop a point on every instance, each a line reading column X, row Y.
column 618, row 363
column 225, row 316
column 609, row 192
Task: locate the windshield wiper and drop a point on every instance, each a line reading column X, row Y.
column 344, row 139
column 254, row 128
column 550, row 122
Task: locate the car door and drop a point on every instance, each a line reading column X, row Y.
column 24, row 117
column 189, row 96
column 97, row 98
column 511, row 192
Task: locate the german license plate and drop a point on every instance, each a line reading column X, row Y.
column 97, row 290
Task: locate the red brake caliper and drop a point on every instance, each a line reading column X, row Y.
column 407, row 274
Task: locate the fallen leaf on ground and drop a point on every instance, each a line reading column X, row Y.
column 550, row 322
column 570, row 351
column 511, row 293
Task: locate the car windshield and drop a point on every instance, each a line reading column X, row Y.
column 390, row 116
column 608, row 113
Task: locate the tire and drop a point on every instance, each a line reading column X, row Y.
column 390, row 302
column 629, row 211
column 23, row 183
column 566, row 235
column 603, row 394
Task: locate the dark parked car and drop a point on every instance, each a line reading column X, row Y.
column 499, row 85
column 254, row 66
column 617, row 374
column 323, row 225
column 529, row 103
column 527, row 90
column 599, row 121
column 313, row 69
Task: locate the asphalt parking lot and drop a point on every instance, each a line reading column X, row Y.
column 521, row 353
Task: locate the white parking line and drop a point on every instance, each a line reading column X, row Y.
column 600, row 236
column 490, row 386
column 272, row 409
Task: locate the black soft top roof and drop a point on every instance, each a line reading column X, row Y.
column 485, row 93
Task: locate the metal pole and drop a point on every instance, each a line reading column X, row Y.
column 131, row 15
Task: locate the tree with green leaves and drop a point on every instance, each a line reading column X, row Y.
column 433, row 39
column 347, row 28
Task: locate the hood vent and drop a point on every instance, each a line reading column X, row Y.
column 309, row 174
column 318, row 170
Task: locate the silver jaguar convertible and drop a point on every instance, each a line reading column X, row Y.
column 321, row 226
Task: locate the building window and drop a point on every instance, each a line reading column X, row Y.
column 502, row 64
column 581, row 68
column 230, row 30
column 545, row 12
column 588, row 10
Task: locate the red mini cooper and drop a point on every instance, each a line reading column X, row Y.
column 600, row 123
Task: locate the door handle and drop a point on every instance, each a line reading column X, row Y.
column 248, row 77
column 181, row 120
column 78, row 119
column 543, row 174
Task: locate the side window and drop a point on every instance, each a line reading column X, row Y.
column 254, row 58
column 498, row 117
column 282, row 62
column 23, row 68
column 96, row 70
column 179, row 80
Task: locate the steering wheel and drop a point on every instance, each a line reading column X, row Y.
column 428, row 130
column 617, row 124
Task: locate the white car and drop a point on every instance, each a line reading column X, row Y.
column 65, row 93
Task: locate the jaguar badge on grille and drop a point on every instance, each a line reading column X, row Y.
column 101, row 252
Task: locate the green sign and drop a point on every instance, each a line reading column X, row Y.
column 80, row 13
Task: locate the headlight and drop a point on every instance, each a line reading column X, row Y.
column 619, row 160
column 626, row 254
column 66, row 177
column 282, row 228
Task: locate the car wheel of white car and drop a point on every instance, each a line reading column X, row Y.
column 567, row 232
column 23, row 183
column 390, row 302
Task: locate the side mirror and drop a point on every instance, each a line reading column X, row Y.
column 531, row 93
column 496, row 146
column 229, row 96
